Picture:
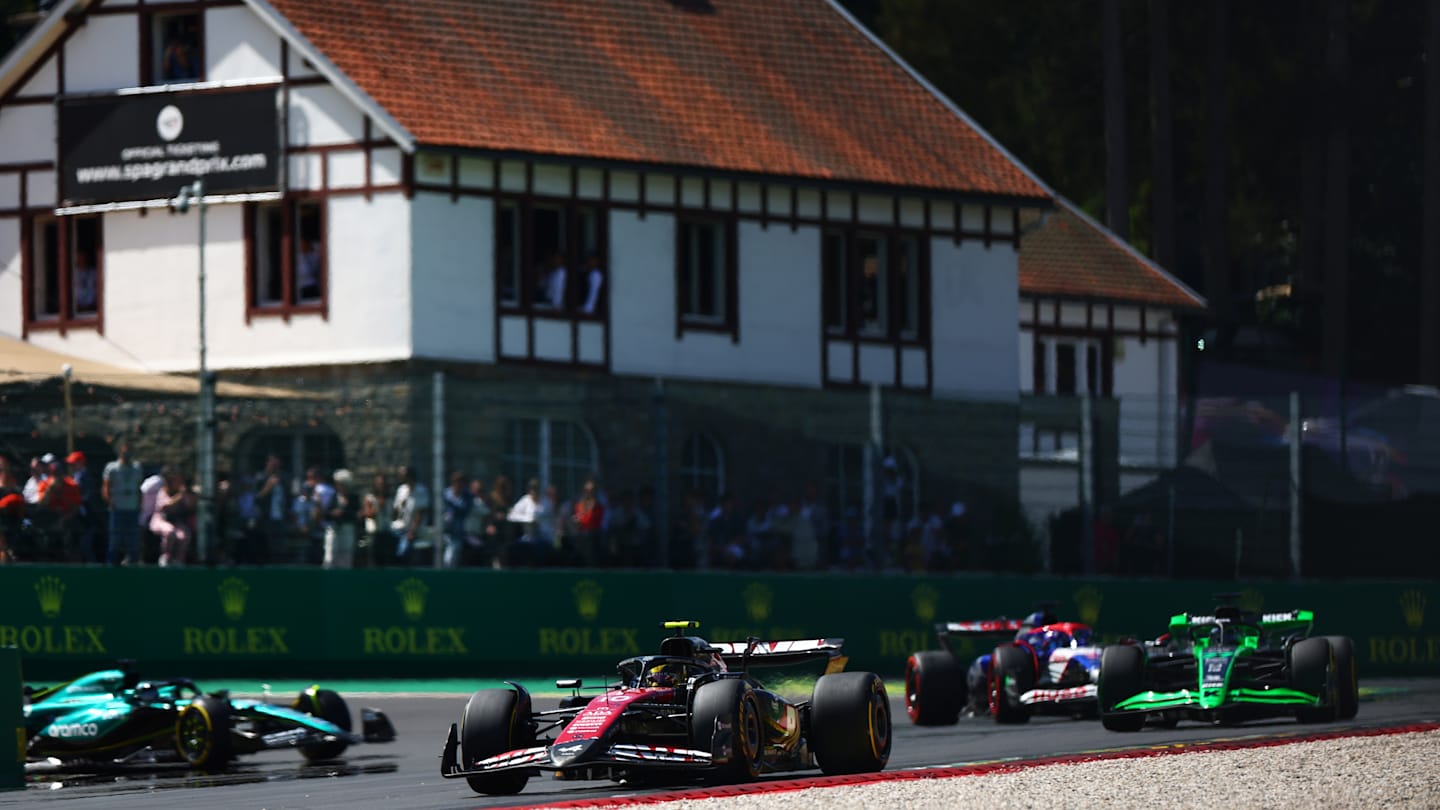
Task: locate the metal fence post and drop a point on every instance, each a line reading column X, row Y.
column 1087, row 482
column 1295, row 484
column 437, row 451
column 660, row 509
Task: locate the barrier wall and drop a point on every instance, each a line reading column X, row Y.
column 305, row 622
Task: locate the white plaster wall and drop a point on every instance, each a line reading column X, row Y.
column 321, row 115
column 779, row 308
column 454, row 278
column 27, row 133
column 44, row 82
column 102, row 54
column 11, row 312
column 238, row 45
column 975, row 292
column 1146, row 384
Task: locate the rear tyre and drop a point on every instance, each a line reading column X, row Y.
column 1122, row 670
column 850, row 723
column 934, row 688
column 1012, row 674
column 330, row 707
column 1347, row 679
column 726, row 719
column 1312, row 667
column 495, row 721
column 202, row 734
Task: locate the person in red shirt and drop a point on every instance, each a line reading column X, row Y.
column 58, row 505
column 589, row 520
column 12, row 508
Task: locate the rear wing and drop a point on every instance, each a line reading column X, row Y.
column 783, row 653
column 1000, row 629
column 1282, row 622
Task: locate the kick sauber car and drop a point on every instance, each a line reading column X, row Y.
column 112, row 717
column 1228, row 666
column 695, row 712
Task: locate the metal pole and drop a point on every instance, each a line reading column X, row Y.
column 69, row 373
column 1087, row 484
column 205, row 419
column 437, row 480
column 1295, row 490
column 873, row 457
column 660, row 506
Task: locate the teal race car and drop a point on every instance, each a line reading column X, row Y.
column 1229, row 666
column 111, row 717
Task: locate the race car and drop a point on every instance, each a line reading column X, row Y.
column 1228, row 666
column 1040, row 665
column 113, row 717
column 695, row 712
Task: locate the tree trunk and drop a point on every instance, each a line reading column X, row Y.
column 1430, row 215
column 1162, row 139
column 1337, row 190
column 1117, row 196
column 1217, row 165
column 1308, row 284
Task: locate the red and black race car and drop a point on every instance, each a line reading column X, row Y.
column 695, row 712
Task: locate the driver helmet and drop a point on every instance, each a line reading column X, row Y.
column 668, row 674
column 1081, row 637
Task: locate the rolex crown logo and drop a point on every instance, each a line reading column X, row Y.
column 925, row 599
column 51, row 591
column 233, row 591
column 587, row 598
column 758, row 599
column 1088, row 599
column 1412, row 603
column 412, row 597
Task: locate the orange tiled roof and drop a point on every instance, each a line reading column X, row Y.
column 1072, row 256
column 780, row 87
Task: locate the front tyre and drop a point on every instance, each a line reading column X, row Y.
column 1347, row 680
column 1122, row 670
column 1312, row 667
column 330, row 707
column 1012, row 674
column 495, row 721
column 850, row 723
column 934, row 688
column 202, row 734
column 726, row 717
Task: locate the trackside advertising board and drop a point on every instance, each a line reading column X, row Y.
column 131, row 148
column 415, row 623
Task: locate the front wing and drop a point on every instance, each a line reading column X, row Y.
column 1060, row 698
column 1190, row 699
column 601, row 761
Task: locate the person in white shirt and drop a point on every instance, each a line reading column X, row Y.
column 594, row 281
column 555, row 281
column 410, row 508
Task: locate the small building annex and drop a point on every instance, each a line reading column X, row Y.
column 554, row 204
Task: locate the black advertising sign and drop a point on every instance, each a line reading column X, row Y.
column 145, row 147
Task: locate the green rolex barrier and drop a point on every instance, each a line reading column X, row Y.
column 402, row 623
column 12, row 741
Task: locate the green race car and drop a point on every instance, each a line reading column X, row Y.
column 1226, row 667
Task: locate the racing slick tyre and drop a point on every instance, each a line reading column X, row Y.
column 934, row 688
column 495, row 721
column 850, row 723
column 1012, row 674
column 1347, row 680
column 1122, row 670
column 1312, row 670
column 726, row 715
column 202, row 734
column 327, row 705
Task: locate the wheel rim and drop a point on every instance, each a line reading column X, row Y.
column 879, row 724
column 750, row 731
column 195, row 734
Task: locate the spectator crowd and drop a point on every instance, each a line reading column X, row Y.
column 60, row 511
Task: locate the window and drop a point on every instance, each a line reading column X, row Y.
column 894, row 474
column 702, row 466
column 705, row 275
column 556, row 452
column 287, row 257
column 63, row 272
column 873, row 284
column 1072, row 366
column 177, row 48
column 541, row 257
column 298, row 450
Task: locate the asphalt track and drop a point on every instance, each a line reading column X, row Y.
column 406, row 773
